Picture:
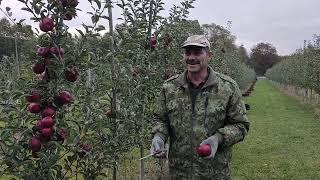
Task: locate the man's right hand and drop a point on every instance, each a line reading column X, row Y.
column 157, row 146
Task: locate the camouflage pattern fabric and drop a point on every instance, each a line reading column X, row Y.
column 218, row 108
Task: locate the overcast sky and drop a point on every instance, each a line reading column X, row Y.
column 283, row 23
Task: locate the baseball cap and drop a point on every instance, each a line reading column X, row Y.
column 196, row 40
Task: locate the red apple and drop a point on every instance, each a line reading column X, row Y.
column 47, row 132
column 46, row 24
column 48, row 112
column 73, row 3
column 71, row 74
column 110, row 114
column 61, row 135
column 64, row 97
column 34, row 144
column 85, row 147
column 204, row 150
column 34, row 97
column 64, row 3
column 67, row 16
column 38, row 68
column 43, row 52
column 47, row 122
column 153, row 42
column 57, row 51
column 34, row 107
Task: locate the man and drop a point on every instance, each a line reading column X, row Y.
column 199, row 106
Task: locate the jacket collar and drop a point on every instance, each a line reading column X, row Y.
column 212, row 79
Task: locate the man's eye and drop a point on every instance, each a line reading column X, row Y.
column 195, row 52
column 198, row 52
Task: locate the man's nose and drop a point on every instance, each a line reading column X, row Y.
column 191, row 56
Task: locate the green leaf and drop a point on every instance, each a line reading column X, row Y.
column 27, row 9
column 80, row 32
column 21, row 20
column 98, row 3
column 37, row 9
column 94, row 19
column 100, row 28
column 120, row 5
column 105, row 17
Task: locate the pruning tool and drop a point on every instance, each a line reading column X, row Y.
column 152, row 154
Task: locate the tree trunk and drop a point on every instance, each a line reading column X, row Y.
column 17, row 57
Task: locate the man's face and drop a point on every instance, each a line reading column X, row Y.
column 196, row 58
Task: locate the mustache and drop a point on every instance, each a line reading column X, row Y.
column 192, row 61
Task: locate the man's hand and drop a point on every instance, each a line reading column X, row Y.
column 157, row 146
column 214, row 142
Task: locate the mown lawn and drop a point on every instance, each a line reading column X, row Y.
column 283, row 141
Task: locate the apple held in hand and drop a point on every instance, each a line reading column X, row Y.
column 204, row 150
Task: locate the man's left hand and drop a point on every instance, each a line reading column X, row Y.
column 214, row 142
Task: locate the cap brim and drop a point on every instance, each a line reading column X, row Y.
column 194, row 44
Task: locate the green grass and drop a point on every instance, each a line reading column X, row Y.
column 283, row 141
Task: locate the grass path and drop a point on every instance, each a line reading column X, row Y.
column 283, row 141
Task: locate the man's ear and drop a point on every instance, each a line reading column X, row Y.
column 210, row 55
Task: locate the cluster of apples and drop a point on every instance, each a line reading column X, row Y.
column 41, row 103
column 45, row 129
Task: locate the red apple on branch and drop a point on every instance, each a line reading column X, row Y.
column 35, row 96
column 73, row 3
column 153, row 42
column 71, row 74
column 47, row 122
column 64, row 97
column 46, row 24
column 34, row 107
column 49, row 111
column 38, row 68
column 57, row 51
column 47, row 132
column 61, row 135
column 43, row 52
column 34, row 144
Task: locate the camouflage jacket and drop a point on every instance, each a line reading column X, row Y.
column 218, row 108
